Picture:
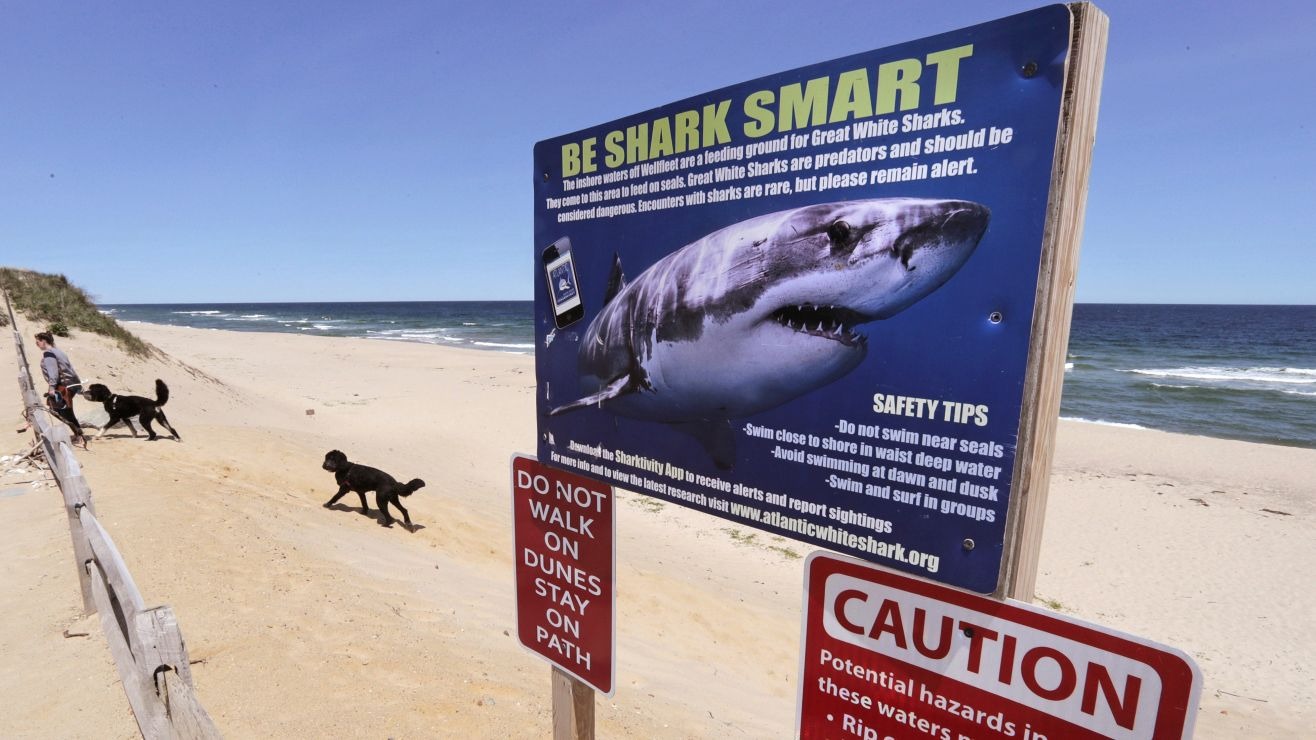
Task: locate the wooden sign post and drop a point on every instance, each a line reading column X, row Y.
column 573, row 708
column 1055, row 300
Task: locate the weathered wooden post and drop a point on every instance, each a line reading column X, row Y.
column 162, row 655
column 573, row 708
column 1055, row 299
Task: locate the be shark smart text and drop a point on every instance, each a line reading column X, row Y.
column 852, row 95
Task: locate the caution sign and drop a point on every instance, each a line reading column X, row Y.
column 889, row 656
column 565, row 563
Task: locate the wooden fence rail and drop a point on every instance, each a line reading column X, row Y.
column 146, row 644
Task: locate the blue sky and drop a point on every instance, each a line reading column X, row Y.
column 335, row 151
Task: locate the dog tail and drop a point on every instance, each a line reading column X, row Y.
column 415, row 485
column 161, row 392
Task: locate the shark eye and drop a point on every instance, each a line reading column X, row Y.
column 839, row 232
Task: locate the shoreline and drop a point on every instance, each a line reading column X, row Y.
column 1197, row 542
column 1141, row 428
column 509, row 349
column 530, row 350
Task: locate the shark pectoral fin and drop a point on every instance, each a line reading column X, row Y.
column 717, row 439
column 617, row 388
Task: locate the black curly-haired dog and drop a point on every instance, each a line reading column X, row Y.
column 361, row 479
column 124, row 408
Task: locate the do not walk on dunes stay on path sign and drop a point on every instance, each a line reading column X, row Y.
column 563, row 532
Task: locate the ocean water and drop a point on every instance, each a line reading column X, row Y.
column 1238, row 372
column 503, row 326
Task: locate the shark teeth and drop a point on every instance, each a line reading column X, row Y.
column 826, row 321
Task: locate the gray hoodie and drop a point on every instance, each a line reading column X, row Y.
column 56, row 367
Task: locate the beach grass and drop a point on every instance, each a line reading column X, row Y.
column 59, row 305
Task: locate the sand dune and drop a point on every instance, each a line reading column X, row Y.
column 315, row 622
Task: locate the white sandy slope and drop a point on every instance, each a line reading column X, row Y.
column 315, row 622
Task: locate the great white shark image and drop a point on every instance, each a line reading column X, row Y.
column 766, row 310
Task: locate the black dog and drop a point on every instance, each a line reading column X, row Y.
column 361, row 478
column 124, row 408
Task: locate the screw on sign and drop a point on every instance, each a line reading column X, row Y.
column 889, row 656
column 563, row 535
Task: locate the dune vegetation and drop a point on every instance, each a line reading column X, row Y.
column 61, row 306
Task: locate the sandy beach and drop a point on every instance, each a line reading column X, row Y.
column 307, row 622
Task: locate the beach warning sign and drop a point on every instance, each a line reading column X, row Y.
column 758, row 302
column 890, row 656
column 565, row 564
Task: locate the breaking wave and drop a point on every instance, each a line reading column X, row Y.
column 1286, row 375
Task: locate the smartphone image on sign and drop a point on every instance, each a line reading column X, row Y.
column 562, row 287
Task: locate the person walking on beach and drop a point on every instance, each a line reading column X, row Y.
column 63, row 381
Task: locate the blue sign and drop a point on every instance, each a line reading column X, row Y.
column 803, row 303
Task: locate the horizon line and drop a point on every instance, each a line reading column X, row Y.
column 531, row 300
